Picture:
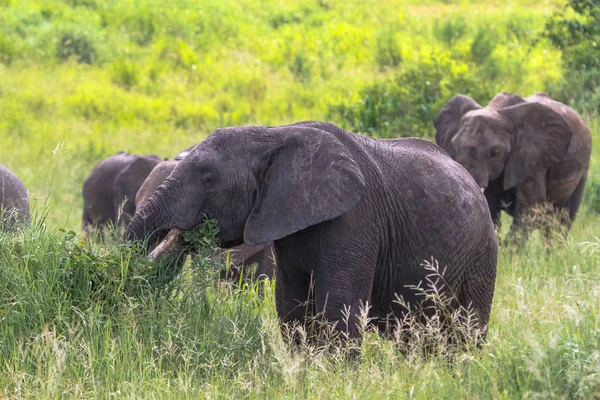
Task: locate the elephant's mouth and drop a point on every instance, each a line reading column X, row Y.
column 166, row 245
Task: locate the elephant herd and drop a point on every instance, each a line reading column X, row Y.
column 345, row 221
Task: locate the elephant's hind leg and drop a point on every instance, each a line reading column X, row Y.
column 574, row 201
column 476, row 302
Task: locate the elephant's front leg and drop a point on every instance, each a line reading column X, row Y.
column 342, row 291
column 529, row 197
column 293, row 301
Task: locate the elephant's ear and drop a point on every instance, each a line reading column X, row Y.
column 542, row 138
column 310, row 178
column 504, row 99
column 447, row 122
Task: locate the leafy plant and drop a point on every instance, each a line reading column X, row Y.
column 125, row 73
column 407, row 104
column 575, row 30
column 389, row 51
column 76, row 44
column 450, row 30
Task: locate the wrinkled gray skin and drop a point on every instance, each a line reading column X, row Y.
column 112, row 186
column 357, row 215
column 14, row 201
column 256, row 261
column 523, row 152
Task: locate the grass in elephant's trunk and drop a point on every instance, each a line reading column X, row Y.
column 203, row 235
column 200, row 242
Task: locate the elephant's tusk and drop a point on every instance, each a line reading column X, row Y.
column 166, row 245
column 482, row 190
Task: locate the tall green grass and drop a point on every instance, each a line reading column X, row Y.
column 86, row 322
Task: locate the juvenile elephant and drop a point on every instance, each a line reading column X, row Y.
column 110, row 189
column 14, row 201
column 522, row 152
column 256, row 261
column 352, row 218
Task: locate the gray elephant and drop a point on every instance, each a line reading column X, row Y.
column 521, row 152
column 14, row 201
column 252, row 261
column 352, row 218
column 110, row 189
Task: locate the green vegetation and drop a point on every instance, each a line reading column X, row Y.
column 83, row 79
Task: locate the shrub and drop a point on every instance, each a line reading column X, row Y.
column 389, row 51
column 76, row 44
column 575, row 30
column 7, row 49
column 407, row 104
column 591, row 196
column 301, row 66
column 450, row 31
column 125, row 73
column 483, row 45
column 83, row 3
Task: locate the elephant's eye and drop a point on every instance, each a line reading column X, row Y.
column 494, row 152
column 208, row 179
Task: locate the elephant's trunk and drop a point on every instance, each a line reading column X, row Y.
column 152, row 226
column 145, row 226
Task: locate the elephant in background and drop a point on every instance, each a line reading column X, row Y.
column 110, row 189
column 351, row 218
column 14, row 200
column 252, row 262
column 522, row 152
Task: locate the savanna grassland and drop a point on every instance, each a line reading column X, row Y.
column 83, row 79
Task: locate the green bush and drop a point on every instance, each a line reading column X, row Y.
column 125, row 73
column 575, row 30
column 76, row 44
column 483, row 45
column 407, row 104
column 389, row 50
column 7, row 49
column 450, row 30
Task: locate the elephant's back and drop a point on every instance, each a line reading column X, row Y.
column 424, row 164
column 13, row 193
column 129, row 180
column 97, row 188
column 443, row 197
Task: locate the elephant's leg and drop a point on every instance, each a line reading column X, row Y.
column 342, row 290
column 495, row 207
column 529, row 195
column 493, row 197
column 476, row 297
column 293, row 300
column 575, row 201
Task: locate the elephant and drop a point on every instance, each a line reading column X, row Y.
column 523, row 152
column 14, row 200
column 110, row 189
column 352, row 218
column 252, row 262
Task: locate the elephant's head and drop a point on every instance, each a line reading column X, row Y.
column 510, row 138
column 156, row 178
column 260, row 184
